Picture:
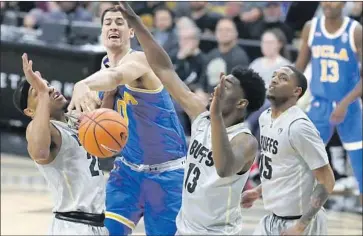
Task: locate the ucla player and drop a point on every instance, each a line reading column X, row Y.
column 334, row 45
column 296, row 178
column 148, row 174
column 73, row 176
column 221, row 149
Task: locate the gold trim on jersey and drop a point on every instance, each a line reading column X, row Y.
column 158, row 90
column 121, row 219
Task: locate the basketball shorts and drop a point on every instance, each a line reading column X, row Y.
column 153, row 192
column 62, row 227
column 273, row 225
column 350, row 130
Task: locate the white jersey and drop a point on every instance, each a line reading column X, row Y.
column 291, row 148
column 74, row 178
column 210, row 204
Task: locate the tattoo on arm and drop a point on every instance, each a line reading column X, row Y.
column 318, row 198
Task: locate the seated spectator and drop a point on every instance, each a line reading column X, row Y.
column 274, row 53
column 205, row 20
column 227, row 54
column 189, row 64
column 146, row 10
column 164, row 29
column 273, row 18
column 247, row 16
column 56, row 11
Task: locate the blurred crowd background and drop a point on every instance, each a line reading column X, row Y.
column 202, row 39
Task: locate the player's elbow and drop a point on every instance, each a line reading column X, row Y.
column 38, row 154
column 325, row 176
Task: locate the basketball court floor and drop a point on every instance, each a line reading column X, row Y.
column 26, row 204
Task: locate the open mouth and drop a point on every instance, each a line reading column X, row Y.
column 56, row 95
column 113, row 36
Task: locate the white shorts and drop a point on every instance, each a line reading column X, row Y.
column 63, row 227
column 272, row 225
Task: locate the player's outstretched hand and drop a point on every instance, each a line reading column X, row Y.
column 126, row 10
column 34, row 78
column 218, row 95
column 83, row 99
column 249, row 197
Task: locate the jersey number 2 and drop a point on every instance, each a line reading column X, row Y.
column 265, row 167
column 333, row 67
column 190, row 186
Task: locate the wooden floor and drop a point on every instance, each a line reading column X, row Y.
column 26, row 204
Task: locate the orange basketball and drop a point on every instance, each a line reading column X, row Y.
column 103, row 132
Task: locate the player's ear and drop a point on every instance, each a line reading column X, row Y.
column 29, row 112
column 132, row 33
column 242, row 103
column 298, row 91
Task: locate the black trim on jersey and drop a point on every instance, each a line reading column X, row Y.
column 82, row 217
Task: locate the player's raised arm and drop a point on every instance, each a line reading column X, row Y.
column 39, row 132
column 304, row 52
column 160, row 63
column 230, row 157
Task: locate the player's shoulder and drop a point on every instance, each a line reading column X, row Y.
column 200, row 122
column 265, row 116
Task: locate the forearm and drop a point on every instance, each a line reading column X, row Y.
column 39, row 134
column 353, row 95
column 155, row 54
column 223, row 156
column 317, row 200
column 103, row 80
column 259, row 189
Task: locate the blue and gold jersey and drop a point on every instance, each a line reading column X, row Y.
column 155, row 133
column 334, row 60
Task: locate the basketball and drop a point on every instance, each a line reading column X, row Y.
column 103, row 132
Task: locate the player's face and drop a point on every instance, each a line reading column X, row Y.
column 332, row 9
column 115, row 30
column 57, row 101
column 233, row 96
column 282, row 86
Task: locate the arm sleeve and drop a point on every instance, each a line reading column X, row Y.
column 306, row 140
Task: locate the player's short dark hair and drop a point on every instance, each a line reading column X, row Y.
column 110, row 9
column 20, row 96
column 301, row 80
column 253, row 87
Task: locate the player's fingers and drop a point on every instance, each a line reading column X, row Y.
column 38, row 74
column 78, row 107
column 70, row 106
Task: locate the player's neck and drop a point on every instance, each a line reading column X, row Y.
column 59, row 117
column 333, row 24
column 115, row 57
column 278, row 109
column 232, row 119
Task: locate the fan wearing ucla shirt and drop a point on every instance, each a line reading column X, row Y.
column 148, row 174
column 333, row 43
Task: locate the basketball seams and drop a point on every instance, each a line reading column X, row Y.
column 94, row 135
column 84, row 135
column 114, row 121
column 102, row 129
column 90, row 118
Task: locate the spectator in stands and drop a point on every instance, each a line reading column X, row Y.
column 70, row 10
column 146, row 10
column 189, row 64
column 205, row 20
column 247, row 16
column 227, row 54
column 98, row 8
column 164, row 32
column 56, row 11
column 275, row 54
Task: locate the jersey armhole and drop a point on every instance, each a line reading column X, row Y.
column 351, row 36
column 52, row 145
column 311, row 31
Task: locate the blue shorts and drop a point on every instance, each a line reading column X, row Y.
column 130, row 195
column 350, row 130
